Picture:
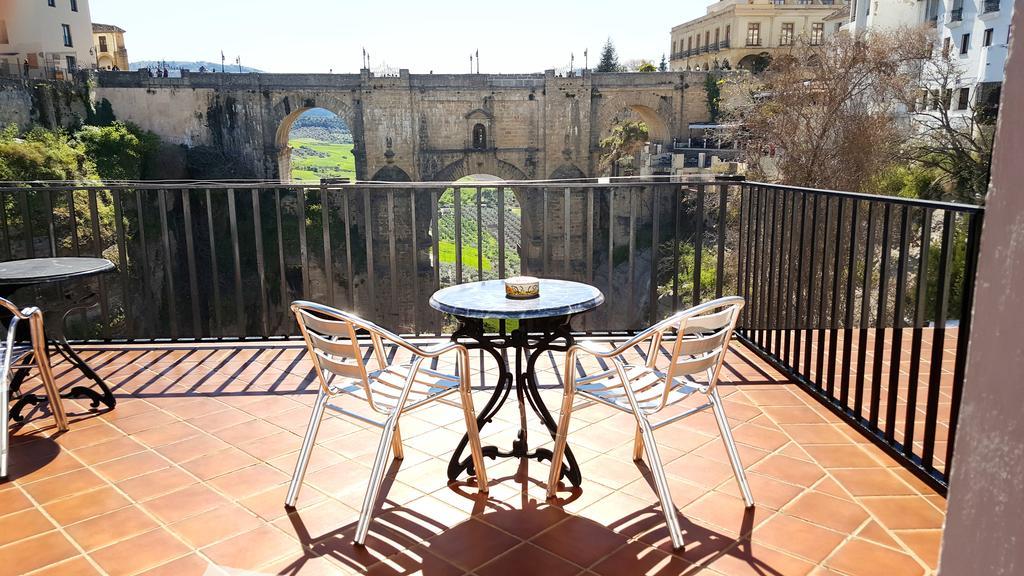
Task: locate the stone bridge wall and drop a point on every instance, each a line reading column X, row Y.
column 537, row 125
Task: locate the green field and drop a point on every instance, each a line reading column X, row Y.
column 446, row 253
column 313, row 160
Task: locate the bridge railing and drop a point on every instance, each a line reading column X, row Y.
column 863, row 300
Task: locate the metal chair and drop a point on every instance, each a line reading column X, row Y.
column 391, row 390
column 701, row 338
column 12, row 352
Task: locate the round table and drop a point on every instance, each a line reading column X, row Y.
column 542, row 322
column 17, row 274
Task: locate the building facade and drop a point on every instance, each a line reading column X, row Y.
column 977, row 32
column 746, row 34
column 108, row 45
column 45, row 38
column 882, row 14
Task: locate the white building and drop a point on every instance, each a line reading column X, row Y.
column 46, row 38
column 978, row 33
column 880, row 14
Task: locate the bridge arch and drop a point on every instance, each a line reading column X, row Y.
column 653, row 110
column 567, row 171
column 755, row 63
column 289, row 108
column 474, row 164
column 391, row 173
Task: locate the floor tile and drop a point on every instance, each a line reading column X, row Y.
column 528, row 559
column 471, row 544
column 859, row 557
column 579, row 540
column 24, row 524
column 111, row 527
column 86, row 505
column 33, row 553
column 798, row 537
column 250, row 550
column 139, row 553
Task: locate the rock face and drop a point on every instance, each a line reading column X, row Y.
column 50, row 103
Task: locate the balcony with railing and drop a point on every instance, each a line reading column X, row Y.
column 843, row 384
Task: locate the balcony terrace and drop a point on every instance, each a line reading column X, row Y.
column 842, row 385
column 188, row 474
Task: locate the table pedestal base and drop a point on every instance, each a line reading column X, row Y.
column 59, row 344
column 545, row 332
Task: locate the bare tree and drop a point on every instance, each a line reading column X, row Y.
column 952, row 127
column 827, row 115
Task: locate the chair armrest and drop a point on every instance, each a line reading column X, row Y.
column 437, row 349
column 21, row 314
column 589, row 348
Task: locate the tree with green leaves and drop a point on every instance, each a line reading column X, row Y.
column 663, row 66
column 647, row 67
column 609, row 58
column 119, row 150
column 621, row 146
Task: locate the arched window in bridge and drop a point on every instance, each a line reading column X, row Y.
column 479, row 137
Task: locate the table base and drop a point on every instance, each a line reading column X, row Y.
column 60, row 345
column 545, row 332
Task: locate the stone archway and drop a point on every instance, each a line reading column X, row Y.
column 289, row 108
column 567, row 171
column 478, row 164
column 391, row 173
column 755, row 63
column 652, row 109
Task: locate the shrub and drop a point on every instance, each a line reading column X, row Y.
column 119, row 150
column 42, row 155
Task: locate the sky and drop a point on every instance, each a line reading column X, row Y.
column 324, row 35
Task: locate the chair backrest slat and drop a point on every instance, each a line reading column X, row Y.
column 338, row 367
column 688, row 366
column 333, row 346
column 324, row 326
column 709, row 322
column 336, row 347
column 696, row 345
column 703, row 339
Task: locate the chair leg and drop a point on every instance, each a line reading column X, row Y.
column 42, row 358
column 4, row 430
column 730, row 447
column 396, row 444
column 660, row 482
column 473, row 431
column 376, row 478
column 307, row 448
column 638, row 445
column 561, row 439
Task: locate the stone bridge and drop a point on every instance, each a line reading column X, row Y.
column 417, row 127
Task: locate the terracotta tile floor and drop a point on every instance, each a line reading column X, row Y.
column 188, row 474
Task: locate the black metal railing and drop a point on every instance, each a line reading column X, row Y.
column 225, row 261
column 866, row 302
column 990, row 6
column 956, row 14
column 840, row 287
